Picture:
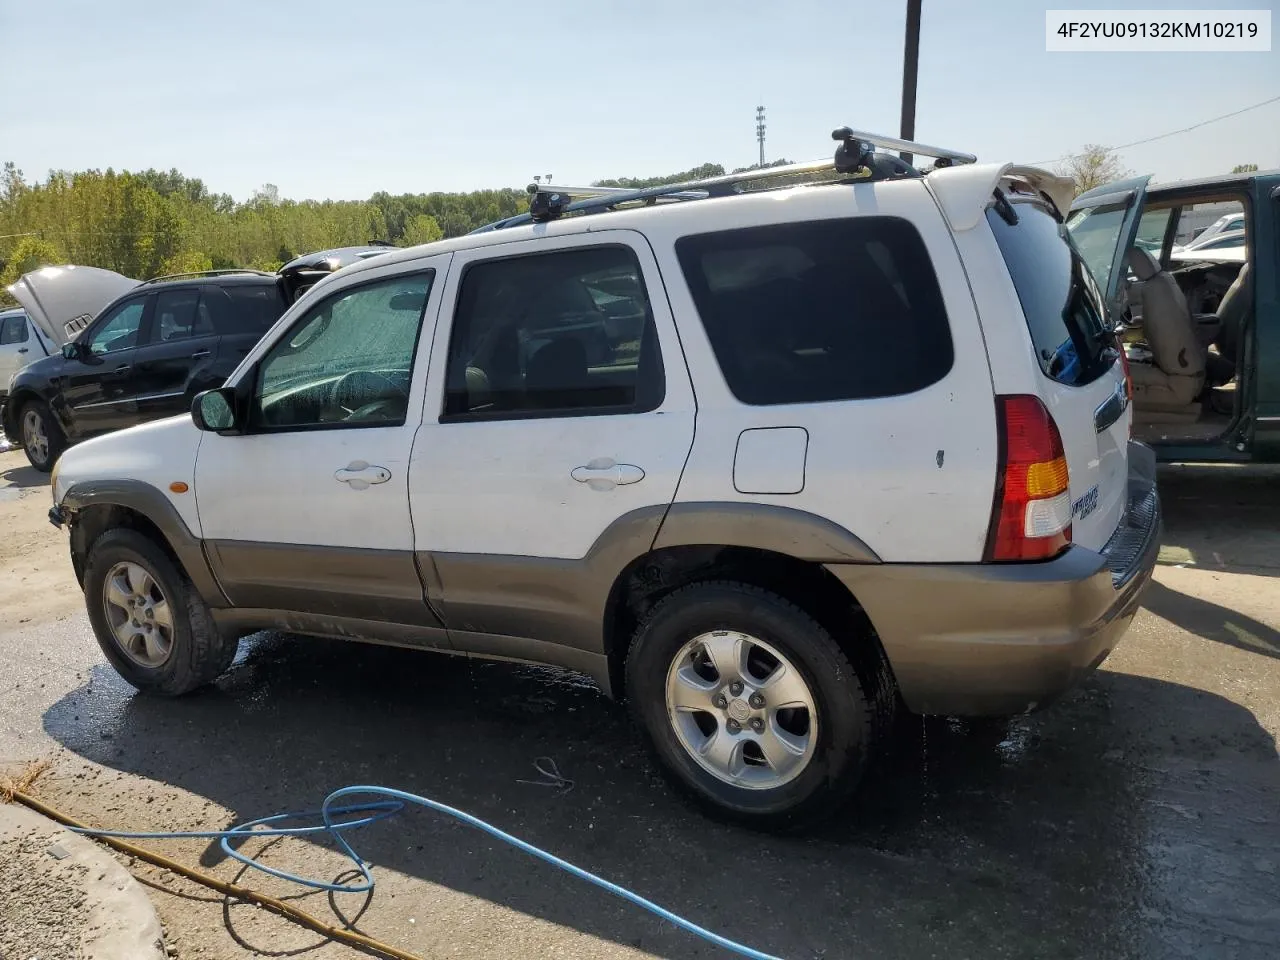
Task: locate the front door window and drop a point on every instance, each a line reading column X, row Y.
column 348, row 361
column 120, row 331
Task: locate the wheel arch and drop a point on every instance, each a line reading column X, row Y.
column 93, row 507
column 805, row 582
column 13, row 405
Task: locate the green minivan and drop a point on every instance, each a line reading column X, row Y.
column 1191, row 273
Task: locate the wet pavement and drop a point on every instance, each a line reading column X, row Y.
column 1137, row 818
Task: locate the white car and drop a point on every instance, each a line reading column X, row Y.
column 1222, row 246
column 21, row 342
column 1228, row 223
column 854, row 456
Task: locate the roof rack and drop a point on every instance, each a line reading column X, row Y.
column 595, row 191
column 855, row 158
column 207, row 273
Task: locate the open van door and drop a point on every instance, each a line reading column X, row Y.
column 1104, row 224
column 61, row 301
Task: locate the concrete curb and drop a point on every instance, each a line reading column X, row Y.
column 120, row 922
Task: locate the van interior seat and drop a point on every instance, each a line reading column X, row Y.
column 1167, row 387
column 1232, row 316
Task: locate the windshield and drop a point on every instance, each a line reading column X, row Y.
column 1060, row 299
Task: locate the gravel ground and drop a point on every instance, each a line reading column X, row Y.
column 42, row 913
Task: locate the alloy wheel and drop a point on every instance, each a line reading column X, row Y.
column 742, row 710
column 139, row 614
column 35, row 438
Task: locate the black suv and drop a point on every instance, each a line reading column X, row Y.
column 143, row 357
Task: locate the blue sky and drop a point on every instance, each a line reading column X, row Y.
column 340, row 99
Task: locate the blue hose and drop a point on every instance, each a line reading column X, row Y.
column 372, row 812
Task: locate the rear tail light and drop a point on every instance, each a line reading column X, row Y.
column 1031, row 517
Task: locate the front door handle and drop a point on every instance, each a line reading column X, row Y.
column 605, row 474
column 199, row 353
column 22, row 349
column 123, row 368
column 359, row 475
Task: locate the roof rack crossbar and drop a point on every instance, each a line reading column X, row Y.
column 548, row 201
column 910, row 146
column 207, row 273
column 688, row 190
column 583, row 192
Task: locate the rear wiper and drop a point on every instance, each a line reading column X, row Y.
column 1005, row 209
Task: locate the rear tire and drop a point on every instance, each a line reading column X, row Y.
column 42, row 438
column 739, row 755
column 148, row 618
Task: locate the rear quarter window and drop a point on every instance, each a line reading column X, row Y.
column 244, row 308
column 828, row 310
column 1061, row 302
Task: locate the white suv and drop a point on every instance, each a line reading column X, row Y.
column 773, row 463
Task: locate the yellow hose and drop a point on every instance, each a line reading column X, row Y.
column 340, row 934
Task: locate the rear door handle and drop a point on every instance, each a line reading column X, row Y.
column 22, row 349
column 605, row 474
column 199, row 353
column 123, row 368
column 359, row 475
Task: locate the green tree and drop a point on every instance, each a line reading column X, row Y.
column 155, row 222
column 30, row 253
column 1092, row 167
column 421, row 229
column 1244, row 168
column 756, row 166
column 188, row 261
column 703, row 172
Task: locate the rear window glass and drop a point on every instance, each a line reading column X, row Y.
column 1060, row 300
column 828, row 310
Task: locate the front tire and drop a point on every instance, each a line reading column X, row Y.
column 42, row 438
column 750, row 706
column 149, row 620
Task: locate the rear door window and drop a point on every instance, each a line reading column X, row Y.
column 1060, row 300
column 176, row 316
column 13, row 330
column 567, row 333
column 828, row 310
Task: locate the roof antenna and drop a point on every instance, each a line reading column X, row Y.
column 853, row 155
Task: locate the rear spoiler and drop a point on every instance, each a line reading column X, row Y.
column 964, row 191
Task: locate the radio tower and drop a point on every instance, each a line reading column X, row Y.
column 760, row 132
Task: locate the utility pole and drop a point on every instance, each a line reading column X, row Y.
column 910, row 67
column 760, row 132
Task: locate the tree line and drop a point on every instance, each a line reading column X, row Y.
column 149, row 223
column 153, row 222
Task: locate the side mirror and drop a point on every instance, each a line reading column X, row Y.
column 215, row 411
column 71, row 350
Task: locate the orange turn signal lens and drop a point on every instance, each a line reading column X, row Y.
column 1047, row 478
column 178, row 487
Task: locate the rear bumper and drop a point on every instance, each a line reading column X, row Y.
column 1001, row 639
